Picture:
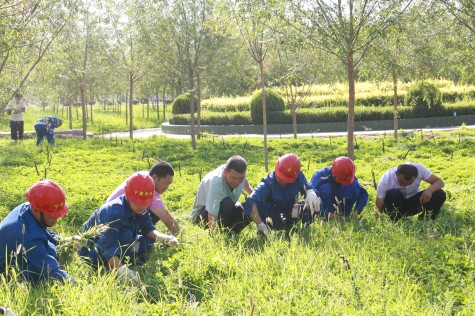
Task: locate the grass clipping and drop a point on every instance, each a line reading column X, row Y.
column 67, row 247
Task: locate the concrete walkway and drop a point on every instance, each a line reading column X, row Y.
column 144, row 133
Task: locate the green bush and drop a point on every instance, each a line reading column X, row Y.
column 274, row 102
column 213, row 118
column 425, row 98
column 181, row 104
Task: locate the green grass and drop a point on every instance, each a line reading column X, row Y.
column 408, row 268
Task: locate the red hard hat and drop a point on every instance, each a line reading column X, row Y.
column 139, row 188
column 288, row 168
column 343, row 169
column 48, row 198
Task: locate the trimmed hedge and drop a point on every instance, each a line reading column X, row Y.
column 181, row 104
column 322, row 115
column 274, row 103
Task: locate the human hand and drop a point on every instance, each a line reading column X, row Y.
column 239, row 204
column 262, row 229
column 425, row 197
column 129, row 274
column 331, row 216
column 312, row 201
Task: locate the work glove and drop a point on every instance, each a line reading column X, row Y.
column 312, row 201
column 128, row 274
column 74, row 242
column 172, row 241
column 262, row 229
column 6, row 311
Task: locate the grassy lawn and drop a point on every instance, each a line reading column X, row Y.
column 363, row 266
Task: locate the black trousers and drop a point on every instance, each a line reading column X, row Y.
column 16, row 129
column 396, row 206
column 230, row 217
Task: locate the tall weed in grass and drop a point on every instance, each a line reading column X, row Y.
column 360, row 267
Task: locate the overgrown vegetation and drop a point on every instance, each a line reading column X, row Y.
column 359, row 267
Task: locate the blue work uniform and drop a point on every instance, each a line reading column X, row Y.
column 36, row 258
column 124, row 229
column 44, row 127
column 330, row 191
column 275, row 201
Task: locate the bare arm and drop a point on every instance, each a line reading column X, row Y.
column 114, row 262
column 379, row 204
column 212, row 223
column 247, row 187
column 436, row 184
column 255, row 214
column 167, row 219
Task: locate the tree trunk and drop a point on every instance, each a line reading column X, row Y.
column 192, row 110
column 90, row 105
column 84, row 111
column 264, row 114
column 131, row 105
column 395, row 104
column 294, row 119
column 158, row 107
column 351, row 106
column 164, row 101
column 198, row 88
column 148, row 107
column 70, row 112
column 126, row 108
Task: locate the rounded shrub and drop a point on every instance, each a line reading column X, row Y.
column 181, row 104
column 425, row 99
column 274, row 103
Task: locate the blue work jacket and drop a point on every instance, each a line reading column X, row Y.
column 124, row 228
column 36, row 258
column 330, row 191
column 281, row 198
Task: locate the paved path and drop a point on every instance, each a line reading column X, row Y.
column 144, row 133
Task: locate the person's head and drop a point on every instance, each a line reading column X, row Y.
column 343, row 170
column 235, row 171
column 139, row 189
column 162, row 174
column 48, row 202
column 18, row 96
column 59, row 122
column 406, row 174
column 287, row 169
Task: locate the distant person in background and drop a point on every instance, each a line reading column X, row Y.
column 398, row 192
column 15, row 108
column 45, row 126
column 339, row 189
column 26, row 242
column 162, row 174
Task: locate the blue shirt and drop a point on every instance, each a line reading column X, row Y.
column 37, row 259
column 269, row 191
column 330, row 190
column 50, row 121
column 124, row 228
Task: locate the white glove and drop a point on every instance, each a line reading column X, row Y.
column 75, row 242
column 129, row 274
column 262, row 229
column 172, row 241
column 6, row 311
column 312, row 201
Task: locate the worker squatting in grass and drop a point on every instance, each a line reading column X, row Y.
column 282, row 200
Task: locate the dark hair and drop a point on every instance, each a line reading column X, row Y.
column 236, row 163
column 18, row 95
column 162, row 169
column 407, row 171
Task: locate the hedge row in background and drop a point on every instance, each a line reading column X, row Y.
column 449, row 94
column 335, row 114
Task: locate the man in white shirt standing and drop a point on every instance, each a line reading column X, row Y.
column 15, row 108
column 398, row 192
column 219, row 191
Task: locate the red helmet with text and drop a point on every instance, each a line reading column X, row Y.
column 288, row 168
column 48, row 198
column 343, row 169
column 139, row 188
